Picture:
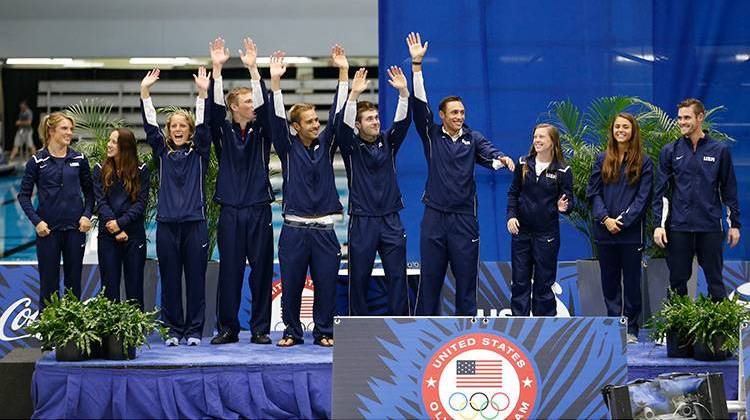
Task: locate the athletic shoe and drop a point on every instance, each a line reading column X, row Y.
column 172, row 341
column 632, row 339
column 192, row 341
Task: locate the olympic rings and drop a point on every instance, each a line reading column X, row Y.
column 502, row 394
column 486, row 401
column 450, row 401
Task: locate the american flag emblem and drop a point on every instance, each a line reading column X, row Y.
column 479, row 374
column 306, row 309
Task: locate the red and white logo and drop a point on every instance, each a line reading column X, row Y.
column 479, row 375
column 306, row 306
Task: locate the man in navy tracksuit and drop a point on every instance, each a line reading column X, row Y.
column 450, row 230
column 374, row 196
column 244, row 192
column 117, row 256
column 66, row 197
column 182, row 231
column 310, row 198
column 699, row 173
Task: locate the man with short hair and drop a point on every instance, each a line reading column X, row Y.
column 307, row 239
column 374, row 197
column 450, row 230
column 243, row 190
column 24, row 133
column 697, row 172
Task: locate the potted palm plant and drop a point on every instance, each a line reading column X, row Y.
column 69, row 326
column 674, row 323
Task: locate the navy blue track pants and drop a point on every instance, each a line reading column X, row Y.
column 707, row 246
column 534, row 256
column 317, row 248
column 448, row 238
column 68, row 243
column 386, row 236
column 122, row 260
column 245, row 236
column 620, row 266
column 183, row 248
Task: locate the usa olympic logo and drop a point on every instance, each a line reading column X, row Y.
column 479, row 376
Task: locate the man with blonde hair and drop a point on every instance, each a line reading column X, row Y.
column 243, row 190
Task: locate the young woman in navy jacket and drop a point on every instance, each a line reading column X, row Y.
column 121, row 187
column 619, row 190
column 66, row 199
column 542, row 189
column 181, row 232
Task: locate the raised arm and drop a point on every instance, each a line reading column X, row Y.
column 137, row 208
column 154, row 135
column 219, row 56
column 202, row 139
column 249, row 58
column 279, row 127
column 345, row 128
column 637, row 207
column 402, row 120
column 423, row 119
column 339, row 60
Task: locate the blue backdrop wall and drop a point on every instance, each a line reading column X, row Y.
column 508, row 60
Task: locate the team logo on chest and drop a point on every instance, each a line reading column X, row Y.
column 551, row 175
column 466, row 142
column 479, row 374
column 709, row 159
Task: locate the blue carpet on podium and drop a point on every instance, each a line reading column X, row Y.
column 239, row 380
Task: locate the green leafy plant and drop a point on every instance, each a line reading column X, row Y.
column 720, row 320
column 677, row 316
column 583, row 136
column 68, row 320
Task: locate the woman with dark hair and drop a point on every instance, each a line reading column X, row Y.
column 542, row 189
column 66, row 200
column 121, row 188
column 181, row 229
column 619, row 190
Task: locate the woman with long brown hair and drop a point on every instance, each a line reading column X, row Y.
column 619, row 190
column 121, row 187
column 542, row 189
column 63, row 180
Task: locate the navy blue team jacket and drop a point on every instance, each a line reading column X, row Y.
column 64, row 188
column 116, row 204
column 450, row 186
column 620, row 200
column 181, row 171
column 243, row 156
column 309, row 187
column 699, row 182
column 371, row 167
column 533, row 201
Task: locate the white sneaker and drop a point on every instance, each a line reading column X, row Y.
column 172, row 341
column 632, row 339
column 192, row 341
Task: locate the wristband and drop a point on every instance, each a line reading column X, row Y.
column 416, row 63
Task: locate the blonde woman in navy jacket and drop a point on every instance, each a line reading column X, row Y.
column 66, row 199
column 181, row 232
column 121, row 187
column 542, row 189
column 619, row 191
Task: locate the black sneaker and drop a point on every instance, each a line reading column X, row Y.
column 225, row 337
column 260, row 339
